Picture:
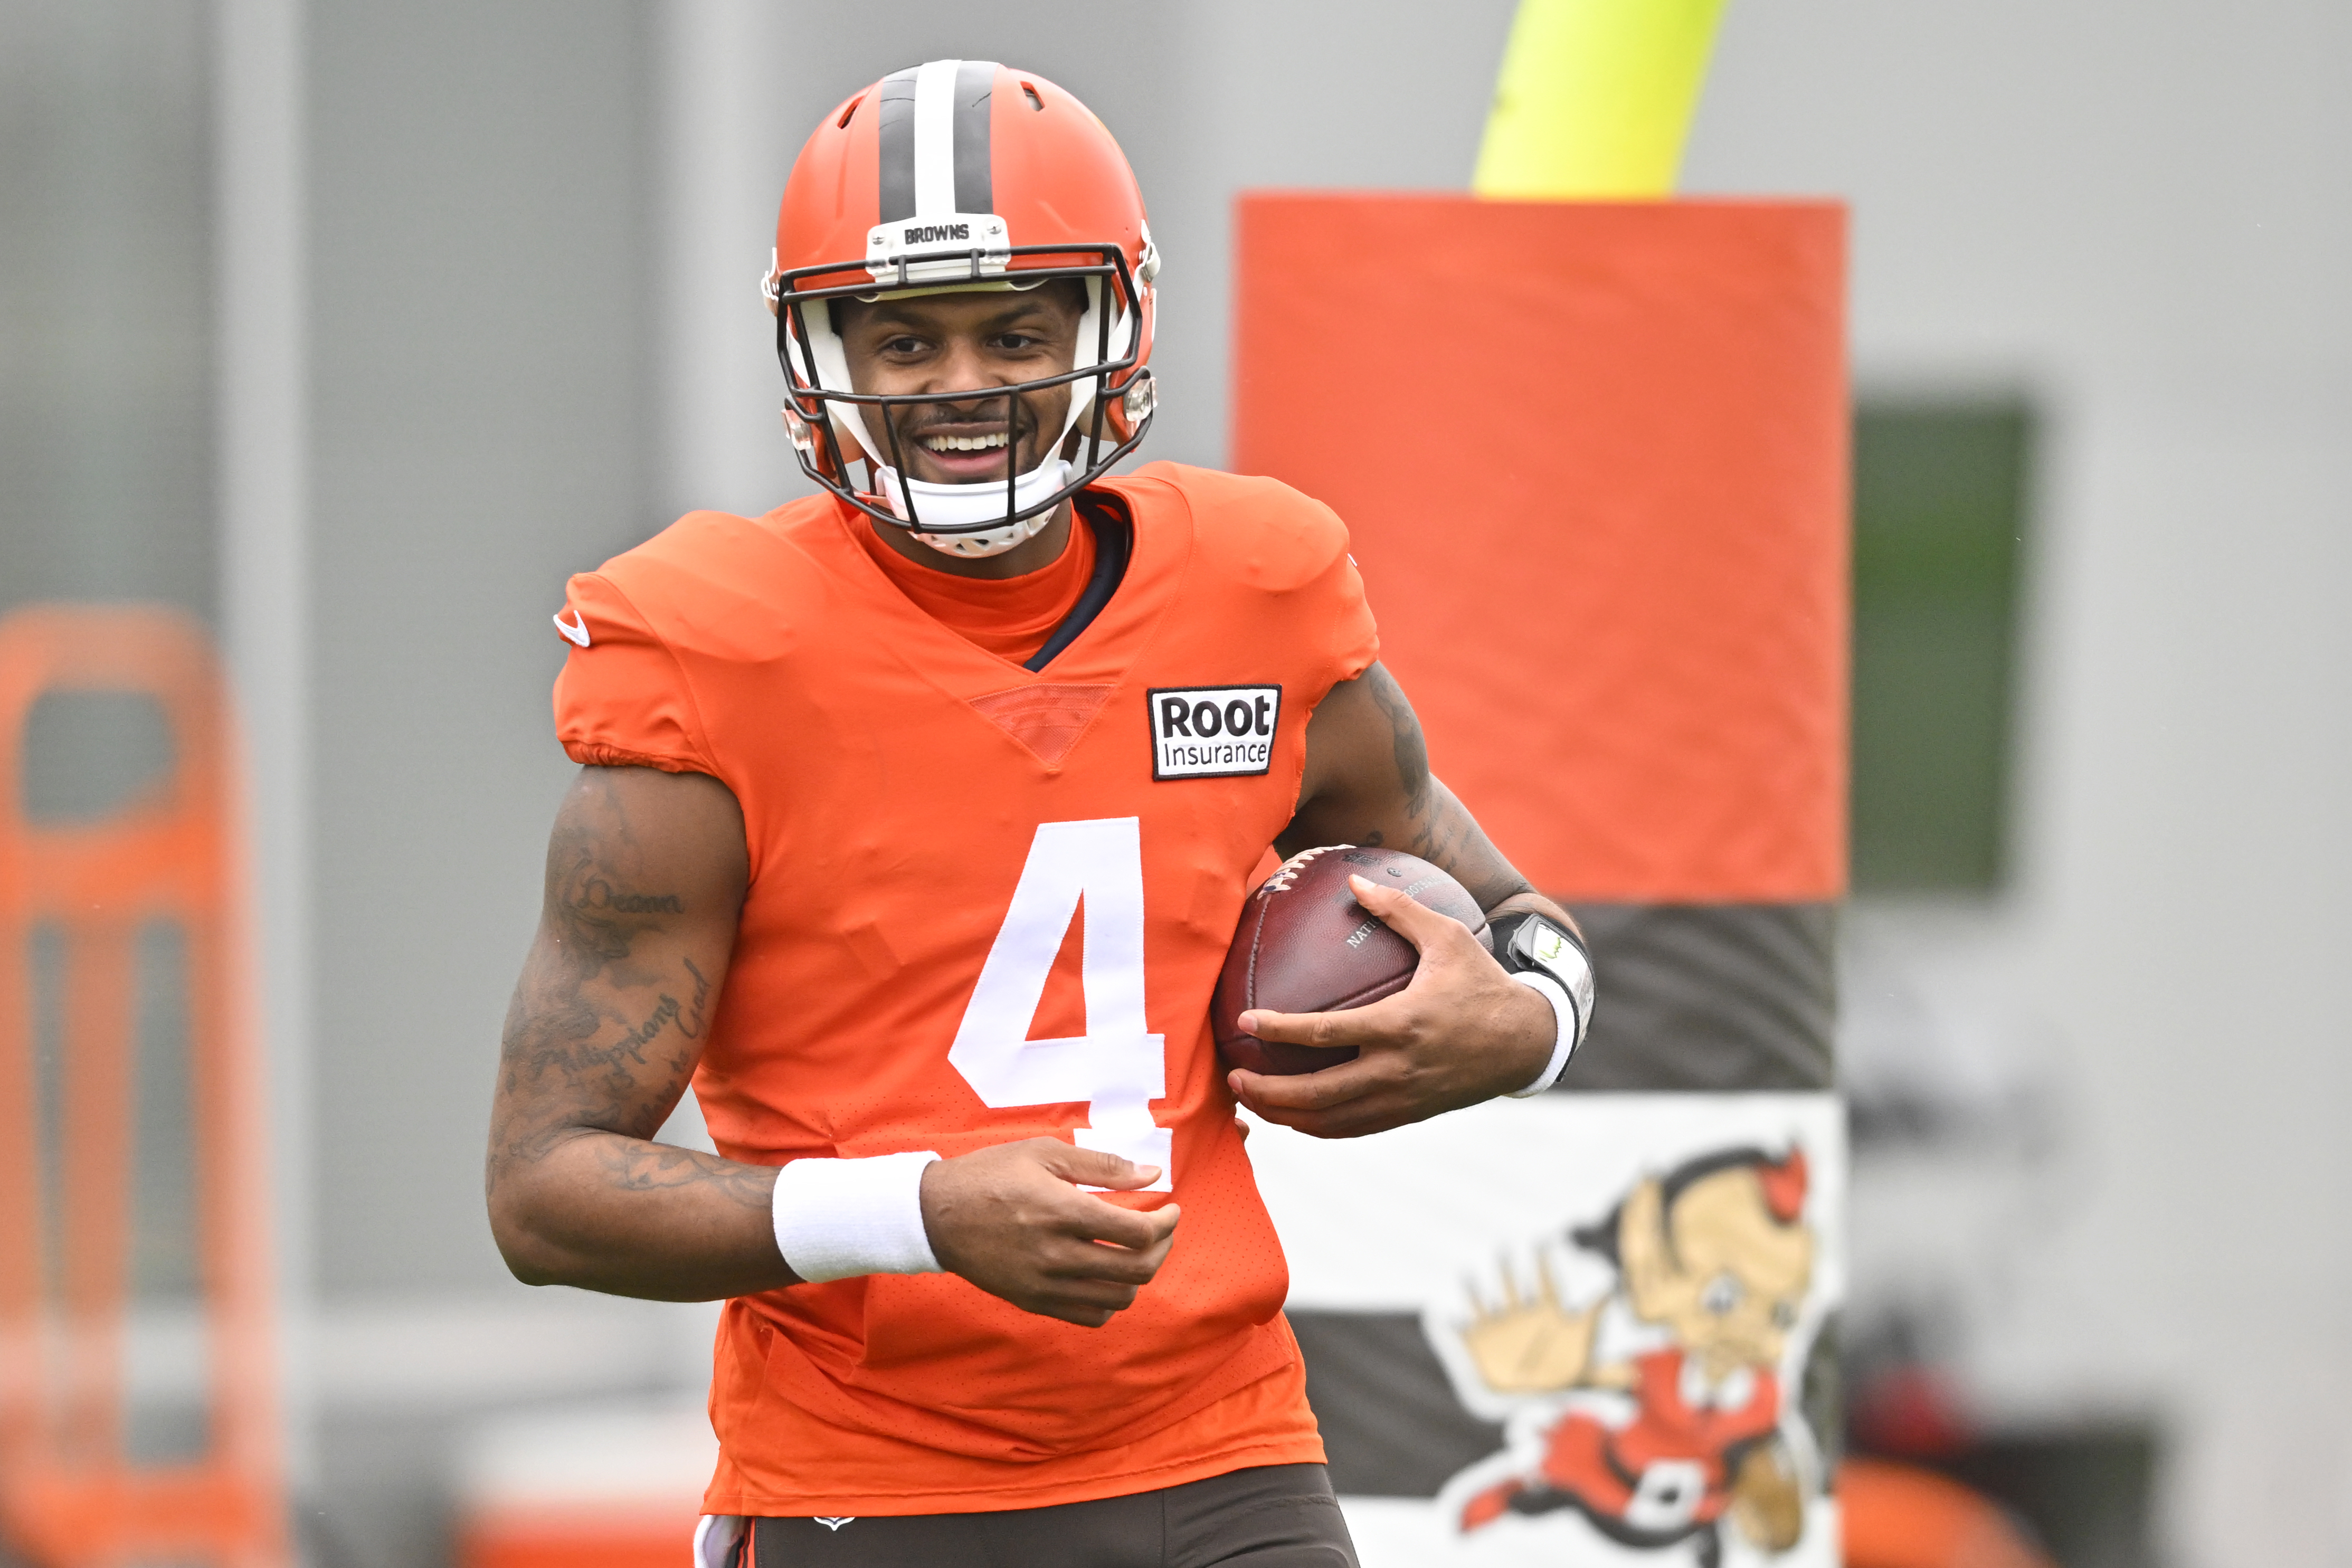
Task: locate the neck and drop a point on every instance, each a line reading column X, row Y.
column 1022, row 558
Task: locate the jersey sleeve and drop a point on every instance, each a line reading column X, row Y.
column 1289, row 547
column 1298, row 546
column 622, row 700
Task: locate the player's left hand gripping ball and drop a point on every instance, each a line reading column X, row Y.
column 1461, row 1030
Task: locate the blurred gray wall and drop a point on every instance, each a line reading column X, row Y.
column 105, row 302
column 481, row 426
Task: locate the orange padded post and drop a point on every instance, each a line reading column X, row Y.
column 1593, row 458
column 68, row 1495
column 1899, row 1516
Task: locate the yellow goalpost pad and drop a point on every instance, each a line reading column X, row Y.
column 1595, row 98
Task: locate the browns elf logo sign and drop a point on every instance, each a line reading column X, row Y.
column 1213, row 732
column 1654, row 1409
column 1620, row 1357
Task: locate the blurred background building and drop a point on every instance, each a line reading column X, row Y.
column 354, row 328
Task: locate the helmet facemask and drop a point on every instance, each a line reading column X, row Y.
column 1110, row 406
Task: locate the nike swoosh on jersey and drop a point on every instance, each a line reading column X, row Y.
column 575, row 634
column 835, row 1523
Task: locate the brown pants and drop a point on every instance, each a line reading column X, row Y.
column 1275, row 1516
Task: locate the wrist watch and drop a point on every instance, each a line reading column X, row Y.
column 1537, row 944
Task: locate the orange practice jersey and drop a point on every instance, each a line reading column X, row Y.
column 925, row 820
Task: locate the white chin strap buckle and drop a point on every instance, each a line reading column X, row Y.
column 995, row 541
column 964, row 506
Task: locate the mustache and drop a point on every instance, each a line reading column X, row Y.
column 915, row 422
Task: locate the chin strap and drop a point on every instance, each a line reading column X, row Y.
column 962, row 506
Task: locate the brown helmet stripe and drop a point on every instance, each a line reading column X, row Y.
column 896, row 108
column 975, row 190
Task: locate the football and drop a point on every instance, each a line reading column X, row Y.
column 1306, row 945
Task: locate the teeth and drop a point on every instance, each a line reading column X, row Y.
column 963, row 443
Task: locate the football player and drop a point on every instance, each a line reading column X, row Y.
column 913, row 823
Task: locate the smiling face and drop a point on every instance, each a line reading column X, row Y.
column 966, row 342
column 1719, row 1270
column 1743, row 1277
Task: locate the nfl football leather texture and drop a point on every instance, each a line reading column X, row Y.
column 1304, row 945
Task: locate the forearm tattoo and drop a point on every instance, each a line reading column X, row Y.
column 636, row 1166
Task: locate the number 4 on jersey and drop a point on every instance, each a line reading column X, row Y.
column 1118, row 1066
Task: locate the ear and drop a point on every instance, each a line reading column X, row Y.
column 1642, row 1254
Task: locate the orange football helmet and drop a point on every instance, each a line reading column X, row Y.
column 951, row 175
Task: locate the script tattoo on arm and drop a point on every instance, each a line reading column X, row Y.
column 645, row 875
column 591, row 1004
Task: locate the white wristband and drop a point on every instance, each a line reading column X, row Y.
column 1563, row 1012
column 835, row 1218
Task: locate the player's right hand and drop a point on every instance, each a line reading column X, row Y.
column 1013, row 1221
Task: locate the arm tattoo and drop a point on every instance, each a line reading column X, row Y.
column 597, row 894
column 563, row 1068
column 1447, row 837
column 1435, row 825
column 1405, row 733
column 635, row 1166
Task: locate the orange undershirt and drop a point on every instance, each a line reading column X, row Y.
column 1009, row 616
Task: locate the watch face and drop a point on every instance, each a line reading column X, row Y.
column 1540, row 943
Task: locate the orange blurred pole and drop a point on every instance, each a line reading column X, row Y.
column 21, row 1266
column 96, row 1164
column 70, row 1497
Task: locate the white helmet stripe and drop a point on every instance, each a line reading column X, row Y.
column 935, row 128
